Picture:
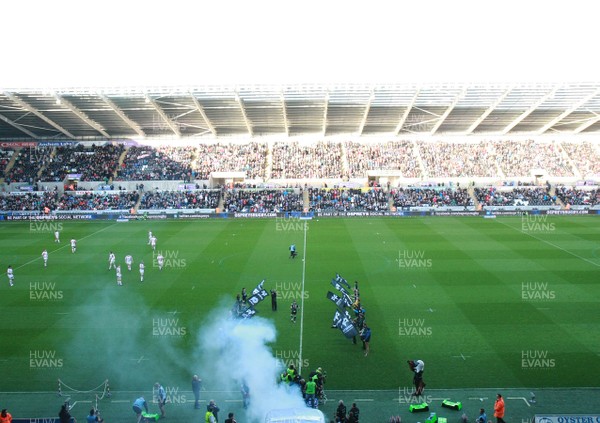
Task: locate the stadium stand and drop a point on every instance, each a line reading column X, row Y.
column 203, row 199
column 262, row 201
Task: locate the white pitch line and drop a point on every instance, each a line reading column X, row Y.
column 478, row 398
column 364, row 400
column 65, row 245
column 237, row 400
column 302, row 300
column 82, row 401
column 119, row 401
column 520, row 398
column 554, row 245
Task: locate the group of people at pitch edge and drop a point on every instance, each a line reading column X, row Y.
column 311, row 388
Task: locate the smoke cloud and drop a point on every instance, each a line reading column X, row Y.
column 235, row 351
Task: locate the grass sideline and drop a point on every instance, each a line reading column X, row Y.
column 485, row 303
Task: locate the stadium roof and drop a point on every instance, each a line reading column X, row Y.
column 294, row 110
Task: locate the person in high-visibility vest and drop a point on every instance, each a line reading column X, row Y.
column 311, row 390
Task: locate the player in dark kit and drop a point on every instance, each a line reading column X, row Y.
column 293, row 311
column 273, row 300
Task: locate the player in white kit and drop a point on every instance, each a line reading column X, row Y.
column 119, row 276
column 128, row 261
column 56, row 236
column 73, row 245
column 142, row 271
column 149, row 237
column 10, row 274
column 45, row 257
column 153, row 242
column 160, row 260
column 111, row 260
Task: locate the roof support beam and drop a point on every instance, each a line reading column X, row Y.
column 172, row 125
column 200, row 109
column 366, row 114
column 326, row 106
column 284, row 109
column 527, row 112
column 240, row 103
column 448, row 111
column 567, row 112
column 488, row 111
column 81, row 115
column 133, row 125
column 587, row 124
column 39, row 114
column 17, row 126
column 406, row 112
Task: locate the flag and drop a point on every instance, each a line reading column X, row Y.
column 345, row 294
column 248, row 313
column 341, row 302
column 258, row 288
column 342, row 281
column 258, row 297
column 342, row 320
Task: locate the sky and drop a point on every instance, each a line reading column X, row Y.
column 66, row 43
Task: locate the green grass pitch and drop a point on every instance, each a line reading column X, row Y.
column 485, row 303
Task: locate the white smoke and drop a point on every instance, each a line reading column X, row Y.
column 236, row 351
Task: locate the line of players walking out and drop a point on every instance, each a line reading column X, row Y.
column 160, row 261
column 112, row 260
column 311, row 388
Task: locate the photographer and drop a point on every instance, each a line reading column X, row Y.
column 64, row 416
column 417, row 366
column 94, row 416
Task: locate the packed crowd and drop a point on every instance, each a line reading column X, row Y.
column 27, row 164
column 150, row 164
column 585, row 157
column 430, row 197
column 262, row 201
column 449, row 159
column 393, row 155
column 99, row 163
column 578, row 197
column 518, row 158
column 94, row 201
column 5, row 157
column 29, row 202
column 294, row 161
column 202, row 199
column 336, row 199
column 250, row 158
column 524, row 196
